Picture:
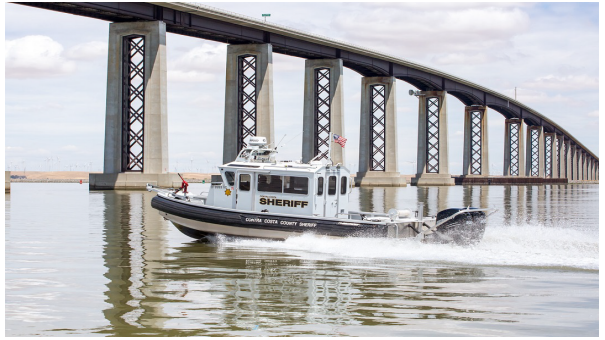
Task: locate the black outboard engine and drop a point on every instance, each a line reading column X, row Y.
column 464, row 229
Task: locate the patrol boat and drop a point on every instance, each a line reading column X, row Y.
column 260, row 197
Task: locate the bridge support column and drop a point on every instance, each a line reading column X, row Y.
column 514, row 149
column 584, row 165
column 535, row 152
column 475, row 154
column 7, row 181
column 248, row 97
column 560, row 164
column 580, row 164
column 551, row 170
column 378, row 134
column 574, row 162
column 323, row 110
column 433, row 164
column 567, row 159
column 594, row 170
column 136, row 124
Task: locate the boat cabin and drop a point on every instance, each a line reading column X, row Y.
column 256, row 181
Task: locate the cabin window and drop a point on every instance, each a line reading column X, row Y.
column 230, row 175
column 343, row 185
column 332, row 185
column 320, row 186
column 296, row 185
column 244, row 182
column 269, row 183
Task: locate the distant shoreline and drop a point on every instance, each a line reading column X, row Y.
column 77, row 176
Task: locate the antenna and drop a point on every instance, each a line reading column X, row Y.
column 280, row 141
column 291, row 139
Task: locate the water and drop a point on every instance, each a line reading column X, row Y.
column 104, row 263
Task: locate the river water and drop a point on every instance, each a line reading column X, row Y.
column 85, row 263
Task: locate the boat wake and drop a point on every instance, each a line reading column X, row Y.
column 518, row 245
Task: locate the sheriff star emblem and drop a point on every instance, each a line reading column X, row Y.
column 228, row 192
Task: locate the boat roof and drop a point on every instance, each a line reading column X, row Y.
column 278, row 165
column 259, row 156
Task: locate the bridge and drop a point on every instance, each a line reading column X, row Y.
column 537, row 150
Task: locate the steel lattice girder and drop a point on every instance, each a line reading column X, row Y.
column 378, row 127
column 322, row 113
column 246, row 97
column 432, row 135
column 476, row 134
column 133, row 102
column 535, row 157
column 548, row 144
column 514, row 148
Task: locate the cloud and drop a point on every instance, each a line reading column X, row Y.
column 88, row 51
column 35, row 56
column 200, row 64
column 594, row 113
column 13, row 149
column 190, row 76
column 284, row 63
column 534, row 97
column 466, row 58
column 571, row 82
column 428, row 28
column 22, row 106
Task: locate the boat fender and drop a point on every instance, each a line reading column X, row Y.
column 404, row 213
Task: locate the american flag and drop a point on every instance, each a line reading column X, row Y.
column 340, row 140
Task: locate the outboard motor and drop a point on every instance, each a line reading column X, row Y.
column 463, row 229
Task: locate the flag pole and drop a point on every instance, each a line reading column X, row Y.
column 330, row 147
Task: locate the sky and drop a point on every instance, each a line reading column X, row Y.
column 56, row 63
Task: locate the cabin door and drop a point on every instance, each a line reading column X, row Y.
column 245, row 191
column 331, row 203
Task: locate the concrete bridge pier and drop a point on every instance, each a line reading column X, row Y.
column 378, row 134
column 475, row 153
column 594, row 170
column 560, row 159
column 535, row 152
column 573, row 170
column 136, row 125
column 580, row 165
column 550, row 155
column 248, row 97
column 576, row 163
column 7, row 181
column 323, row 110
column 432, row 161
column 514, row 148
column 567, row 158
column 584, row 165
